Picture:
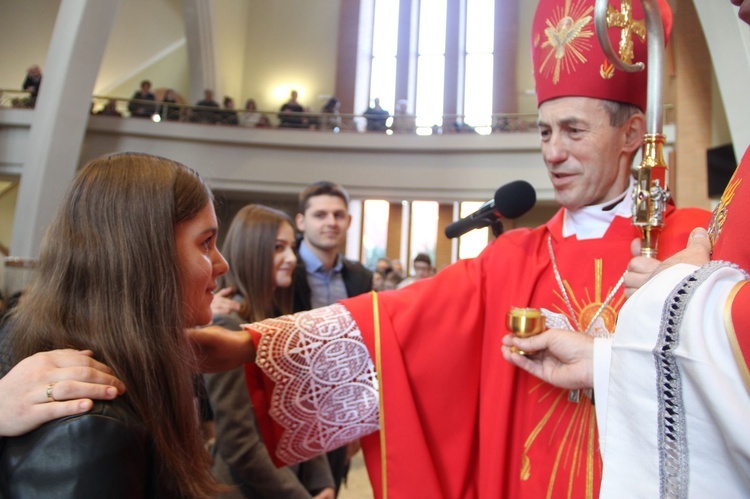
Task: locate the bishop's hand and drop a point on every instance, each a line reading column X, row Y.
column 640, row 269
column 697, row 252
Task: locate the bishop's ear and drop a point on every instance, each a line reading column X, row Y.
column 634, row 128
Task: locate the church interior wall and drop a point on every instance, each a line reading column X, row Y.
column 264, row 49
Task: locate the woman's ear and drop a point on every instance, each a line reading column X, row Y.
column 634, row 129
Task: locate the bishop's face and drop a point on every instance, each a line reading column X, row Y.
column 583, row 151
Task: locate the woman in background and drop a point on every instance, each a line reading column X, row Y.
column 170, row 107
column 250, row 117
column 331, row 120
column 260, row 247
column 128, row 264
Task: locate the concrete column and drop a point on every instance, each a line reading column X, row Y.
column 395, row 221
column 199, row 32
column 693, row 106
column 406, row 64
column 443, row 245
column 346, row 58
column 61, row 116
column 454, row 64
column 505, row 98
column 728, row 41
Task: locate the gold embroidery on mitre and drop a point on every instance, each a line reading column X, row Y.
column 720, row 213
column 567, row 38
column 607, row 70
column 630, row 27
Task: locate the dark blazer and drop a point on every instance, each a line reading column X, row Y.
column 357, row 279
column 105, row 452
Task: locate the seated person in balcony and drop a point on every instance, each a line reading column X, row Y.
column 402, row 121
column 169, row 109
column 31, row 84
column 376, row 117
column 204, row 115
column 460, row 126
column 250, row 117
column 228, row 114
column 138, row 107
column 289, row 115
column 331, row 119
column 110, row 109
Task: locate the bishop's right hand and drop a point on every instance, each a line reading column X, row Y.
column 561, row 358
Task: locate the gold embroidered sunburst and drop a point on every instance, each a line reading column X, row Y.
column 587, row 306
column 578, row 449
column 720, row 213
column 568, row 32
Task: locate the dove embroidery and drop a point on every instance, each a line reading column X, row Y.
column 567, row 40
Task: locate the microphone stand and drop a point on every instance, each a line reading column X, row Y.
column 651, row 190
column 497, row 227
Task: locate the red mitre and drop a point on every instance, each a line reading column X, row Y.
column 568, row 60
column 729, row 230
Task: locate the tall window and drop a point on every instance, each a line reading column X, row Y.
column 415, row 53
column 431, row 62
column 384, row 51
column 424, row 229
column 374, row 231
column 473, row 242
column 480, row 33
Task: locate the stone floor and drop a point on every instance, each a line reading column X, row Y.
column 358, row 483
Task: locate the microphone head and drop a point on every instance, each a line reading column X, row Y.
column 515, row 199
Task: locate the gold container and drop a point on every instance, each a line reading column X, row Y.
column 524, row 322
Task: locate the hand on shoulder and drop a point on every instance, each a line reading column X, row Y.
column 51, row 385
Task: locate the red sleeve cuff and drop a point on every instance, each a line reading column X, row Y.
column 261, row 388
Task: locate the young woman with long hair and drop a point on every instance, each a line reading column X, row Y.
column 260, row 247
column 128, row 264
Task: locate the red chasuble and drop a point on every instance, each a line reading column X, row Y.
column 729, row 228
column 459, row 421
column 738, row 329
column 730, row 237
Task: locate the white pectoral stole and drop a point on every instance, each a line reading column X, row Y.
column 676, row 407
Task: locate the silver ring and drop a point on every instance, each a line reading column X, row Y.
column 49, row 392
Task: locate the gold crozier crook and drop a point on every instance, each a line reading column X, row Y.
column 651, row 191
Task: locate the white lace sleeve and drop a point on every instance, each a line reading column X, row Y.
column 326, row 392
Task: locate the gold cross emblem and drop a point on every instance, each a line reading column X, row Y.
column 630, row 27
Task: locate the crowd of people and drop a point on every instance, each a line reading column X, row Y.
column 166, row 104
column 103, row 349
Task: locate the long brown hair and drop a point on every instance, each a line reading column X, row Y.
column 249, row 250
column 108, row 281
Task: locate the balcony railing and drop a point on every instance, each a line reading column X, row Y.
column 158, row 111
column 16, row 98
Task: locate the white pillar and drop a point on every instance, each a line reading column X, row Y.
column 60, row 117
column 728, row 41
column 200, row 46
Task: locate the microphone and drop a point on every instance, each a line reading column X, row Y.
column 511, row 201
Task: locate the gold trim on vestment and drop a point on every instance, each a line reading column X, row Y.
column 732, row 336
column 381, row 413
